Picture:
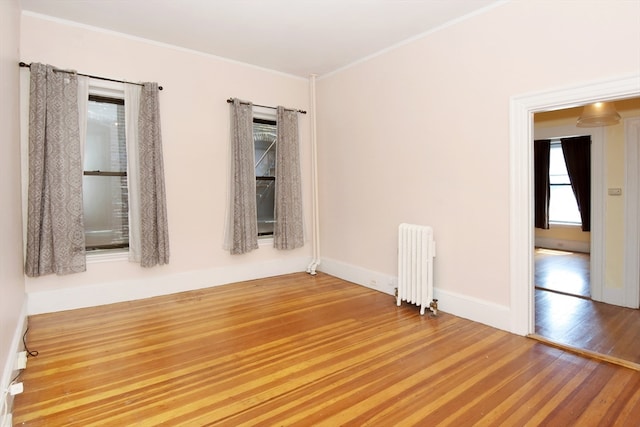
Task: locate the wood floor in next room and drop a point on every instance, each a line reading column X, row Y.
column 566, row 315
column 303, row 350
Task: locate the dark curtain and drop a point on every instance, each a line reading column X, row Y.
column 542, row 193
column 577, row 156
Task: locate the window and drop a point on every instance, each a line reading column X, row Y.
column 264, row 139
column 563, row 207
column 105, row 192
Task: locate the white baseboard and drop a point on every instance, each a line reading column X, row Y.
column 8, row 373
column 129, row 290
column 563, row 245
column 361, row 276
column 470, row 308
column 614, row 296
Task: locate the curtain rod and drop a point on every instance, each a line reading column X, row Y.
column 23, row 64
column 230, row 100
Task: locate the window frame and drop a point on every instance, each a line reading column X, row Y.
column 555, row 144
column 103, row 91
column 268, row 119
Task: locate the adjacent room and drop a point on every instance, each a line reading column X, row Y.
column 585, row 289
column 202, row 205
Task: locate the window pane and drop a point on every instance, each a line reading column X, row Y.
column 106, row 211
column 105, row 148
column 557, row 167
column 106, row 202
column 264, row 138
column 563, row 206
column 265, row 191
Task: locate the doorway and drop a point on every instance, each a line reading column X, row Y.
column 521, row 239
column 562, row 252
column 565, row 313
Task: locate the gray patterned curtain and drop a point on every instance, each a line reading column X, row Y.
column 154, row 230
column 55, row 229
column 242, row 222
column 288, row 230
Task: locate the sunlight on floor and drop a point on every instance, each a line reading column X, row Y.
column 569, row 281
column 563, row 310
column 545, row 251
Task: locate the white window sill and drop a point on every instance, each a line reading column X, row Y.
column 265, row 241
column 565, row 224
column 95, row 257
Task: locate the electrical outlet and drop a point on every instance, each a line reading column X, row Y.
column 16, row 388
column 21, row 361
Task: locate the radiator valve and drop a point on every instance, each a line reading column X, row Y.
column 433, row 306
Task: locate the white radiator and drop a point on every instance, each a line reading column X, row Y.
column 416, row 250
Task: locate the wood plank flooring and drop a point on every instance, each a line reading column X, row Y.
column 303, row 350
column 566, row 316
column 563, row 272
column 585, row 324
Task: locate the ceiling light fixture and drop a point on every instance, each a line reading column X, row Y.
column 598, row 114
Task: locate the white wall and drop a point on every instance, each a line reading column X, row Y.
column 12, row 291
column 421, row 134
column 195, row 124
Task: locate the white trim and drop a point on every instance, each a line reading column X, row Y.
column 521, row 214
column 613, row 296
column 8, row 372
column 315, row 206
column 563, row 245
column 459, row 305
column 598, row 252
column 106, row 88
column 359, row 275
column 156, row 43
column 107, row 256
column 632, row 213
column 475, row 309
column 447, row 24
column 522, row 109
column 265, row 241
column 130, row 290
column 264, row 113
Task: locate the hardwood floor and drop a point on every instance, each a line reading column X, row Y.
column 303, row 350
column 563, row 272
column 579, row 322
column 585, row 324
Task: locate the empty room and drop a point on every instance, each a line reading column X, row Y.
column 206, row 207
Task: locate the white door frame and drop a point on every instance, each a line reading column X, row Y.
column 522, row 109
column 632, row 212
